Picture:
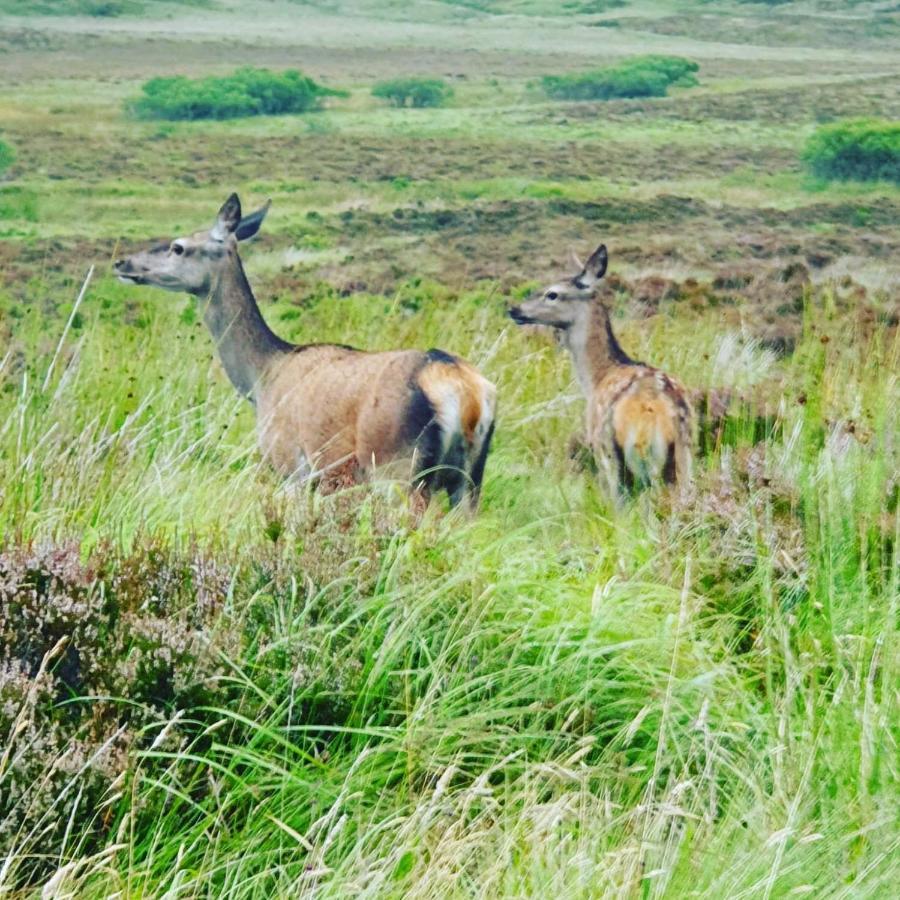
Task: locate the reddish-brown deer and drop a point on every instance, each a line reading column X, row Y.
column 329, row 411
column 639, row 420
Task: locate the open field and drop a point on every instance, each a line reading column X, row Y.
column 266, row 692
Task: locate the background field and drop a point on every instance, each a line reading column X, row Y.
column 263, row 692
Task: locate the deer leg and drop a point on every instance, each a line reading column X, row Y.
column 340, row 476
column 477, row 471
column 683, row 465
column 609, row 477
column 419, row 498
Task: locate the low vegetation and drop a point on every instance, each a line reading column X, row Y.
column 97, row 8
column 415, row 92
column 6, row 156
column 640, row 76
column 248, row 92
column 859, row 149
column 214, row 683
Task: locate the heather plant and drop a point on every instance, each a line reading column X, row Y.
column 857, row 149
column 93, row 652
column 248, row 92
column 640, row 76
column 415, row 92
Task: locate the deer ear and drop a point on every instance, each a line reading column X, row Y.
column 228, row 220
column 249, row 224
column 595, row 267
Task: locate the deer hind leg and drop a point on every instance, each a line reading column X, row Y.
column 452, row 472
column 609, row 472
column 683, row 464
column 670, row 468
column 477, row 472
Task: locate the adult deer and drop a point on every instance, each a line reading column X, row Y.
column 639, row 420
column 327, row 410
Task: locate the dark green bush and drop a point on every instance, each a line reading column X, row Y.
column 418, row 92
column 248, row 92
column 861, row 149
column 6, row 156
column 641, row 76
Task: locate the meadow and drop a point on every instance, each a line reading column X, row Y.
column 215, row 684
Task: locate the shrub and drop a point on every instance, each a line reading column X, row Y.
column 6, row 156
column 74, row 634
column 417, row 92
column 248, row 92
column 863, row 149
column 641, row 76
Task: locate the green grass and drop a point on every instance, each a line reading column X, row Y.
column 470, row 711
column 267, row 692
column 6, row 156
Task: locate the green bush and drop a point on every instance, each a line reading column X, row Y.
column 417, row 92
column 6, row 156
column 640, row 76
column 862, row 149
column 248, row 92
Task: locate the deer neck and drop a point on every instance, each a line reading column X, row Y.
column 594, row 347
column 247, row 346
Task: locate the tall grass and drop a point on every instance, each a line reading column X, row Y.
column 690, row 697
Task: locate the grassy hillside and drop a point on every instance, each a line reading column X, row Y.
column 213, row 684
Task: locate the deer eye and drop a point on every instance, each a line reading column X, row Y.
column 551, row 295
column 177, row 249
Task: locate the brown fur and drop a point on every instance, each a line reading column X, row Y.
column 464, row 379
column 328, row 410
column 326, row 404
column 639, row 422
column 641, row 419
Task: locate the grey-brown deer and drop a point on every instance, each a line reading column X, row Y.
column 639, row 422
column 329, row 411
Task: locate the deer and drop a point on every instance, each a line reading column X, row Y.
column 329, row 413
column 639, row 420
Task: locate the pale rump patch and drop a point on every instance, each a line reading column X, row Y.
column 643, row 421
column 455, row 390
column 642, row 414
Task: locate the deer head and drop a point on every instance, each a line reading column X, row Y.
column 189, row 264
column 563, row 303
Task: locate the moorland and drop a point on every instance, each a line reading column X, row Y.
column 213, row 683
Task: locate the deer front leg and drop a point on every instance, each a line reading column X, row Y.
column 340, row 476
column 419, row 498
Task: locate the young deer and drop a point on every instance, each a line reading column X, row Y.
column 327, row 410
column 639, row 421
